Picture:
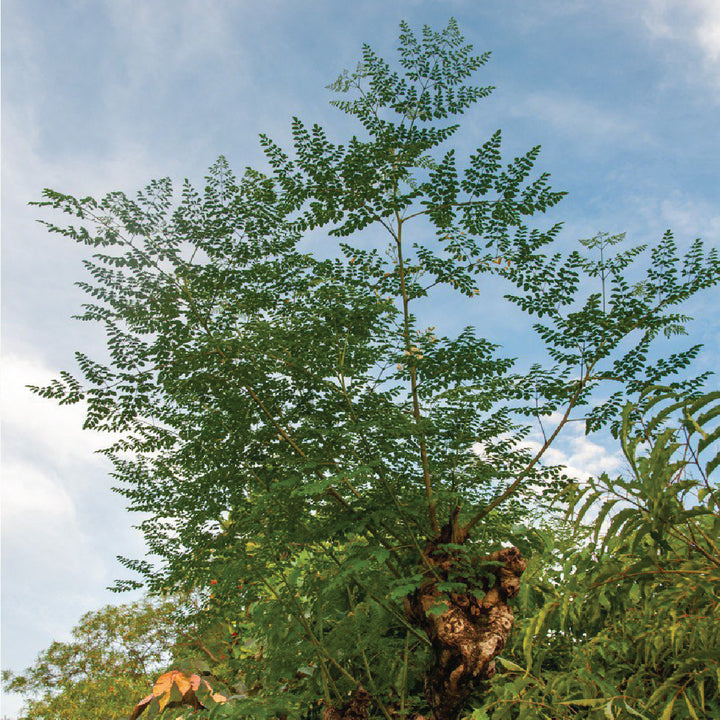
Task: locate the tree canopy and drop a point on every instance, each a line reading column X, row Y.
column 101, row 672
column 352, row 488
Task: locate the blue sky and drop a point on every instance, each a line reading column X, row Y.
column 99, row 95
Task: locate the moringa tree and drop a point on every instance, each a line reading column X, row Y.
column 294, row 429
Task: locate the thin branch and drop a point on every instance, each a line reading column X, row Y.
column 526, row 471
column 319, row 647
column 432, row 503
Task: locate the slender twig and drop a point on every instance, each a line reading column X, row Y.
column 366, row 664
column 404, row 675
column 386, row 606
column 319, row 648
column 526, row 471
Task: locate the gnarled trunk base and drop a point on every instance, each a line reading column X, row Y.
column 469, row 633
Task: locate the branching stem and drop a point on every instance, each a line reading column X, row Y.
column 432, row 504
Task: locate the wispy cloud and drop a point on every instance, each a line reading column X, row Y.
column 159, row 37
column 36, row 502
column 708, row 32
column 581, row 455
column 54, row 431
column 579, row 119
column 686, row 215
column 695, row 22
column 53, row 509
column 691, row 217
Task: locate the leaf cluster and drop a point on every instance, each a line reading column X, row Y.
column 112, row 657
column 622, row 622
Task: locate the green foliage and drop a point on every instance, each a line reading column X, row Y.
column 293, row 431
column 626, row 622
column 108, row 665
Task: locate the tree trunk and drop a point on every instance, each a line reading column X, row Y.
column 469, row 632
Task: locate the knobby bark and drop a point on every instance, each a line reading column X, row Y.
column 469, row 633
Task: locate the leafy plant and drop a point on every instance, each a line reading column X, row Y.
column 628, row 622
column 176, row 689
column 305, row 446
column 113, row 656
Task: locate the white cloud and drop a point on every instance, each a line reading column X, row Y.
column 36, row 501
column 30, row 421
column 44, row 544
column 581, row 455
column 61, row 529
column 686, row 215
column 696, row 22
column 50, row 472
column 708, row 31
column 690, row 217
column 168, row 32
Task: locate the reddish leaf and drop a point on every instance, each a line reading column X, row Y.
column 175, row 688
